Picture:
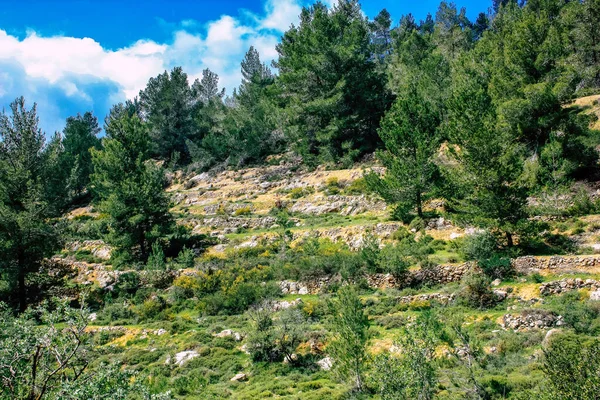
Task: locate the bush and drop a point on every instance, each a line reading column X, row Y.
column 497, row 267
column 477, row 292
column 572, row 366
column 127, row 283
column 418, row 224
column 332, row 186
column 479, row 246
column 243, row 211
column 357, row 187
column 300, row 192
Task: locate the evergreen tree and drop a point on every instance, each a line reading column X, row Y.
column 381, row 37
column 409, row 132
column 166, row 105
column 250, row 126
column 335, row 93
column 130, row 189
column 79, row 136
column 490, row 161
column 350, row 330
column 27, row 235
column 453, row 32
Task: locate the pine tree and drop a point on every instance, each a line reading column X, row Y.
column 411, row 138
column 27, row 235
column 333, row 88
column 130, row 189
column 166, row 105
column 350, row 333
column 79, row 136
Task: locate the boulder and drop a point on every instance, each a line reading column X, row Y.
column 325, row 363
column 183, row 357
column 239, row 378
column 595, row 295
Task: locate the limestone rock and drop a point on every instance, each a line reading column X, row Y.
column 183, row 357
column 325, row 363
column 239, row 378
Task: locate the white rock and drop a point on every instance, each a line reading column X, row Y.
column 325, row 363
column 93, row 316
column 183, row 357
column 455, row 235
column 303, row 290
column 595, row 295
column 239, row 377
column 160, row 332
column 500, row 294
column 496, row 282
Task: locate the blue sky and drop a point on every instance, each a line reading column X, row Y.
column 73, row 56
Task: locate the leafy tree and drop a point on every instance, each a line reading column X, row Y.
column 349, row 328
column 166, row 105
column 571, row 367
column 27, row 235
column 129, row 188
column 47, row 355
column 410, row 374
column 333, row 89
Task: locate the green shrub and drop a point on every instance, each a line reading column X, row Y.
column 497, row 267
column 479, row 246
column 476, row 291
column 332, row 186
column 357, row 187
column 299, row 192
column 243, row 211
column 418, row 224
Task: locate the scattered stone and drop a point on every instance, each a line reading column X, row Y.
column 496, row 282
column 183, row 357
column 229, row 333
column 93, row 316
column 595, row 295
column 160, row 332
column 500, row 294
column 531, row 319
column 325, row 363
column 239, row 378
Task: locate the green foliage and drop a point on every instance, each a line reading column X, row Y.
column 349, row 327
column 333, row 89
column 479, row 246
column 45, row 354
column 27, row 235
column 166, row 104
column 476, row 291
column 411, row 374
column 129, row 188
column 571, row 367
column 410, row 134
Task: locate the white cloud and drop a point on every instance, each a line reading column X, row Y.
column 281, row 14
column 65, row 62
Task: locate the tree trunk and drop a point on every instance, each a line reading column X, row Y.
column 509, row 239
column 419, row 205
column 21, row 289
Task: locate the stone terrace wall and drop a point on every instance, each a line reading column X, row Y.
column 531, row 264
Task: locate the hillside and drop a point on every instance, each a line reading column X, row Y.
column 389, row 209
column 184, row 344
